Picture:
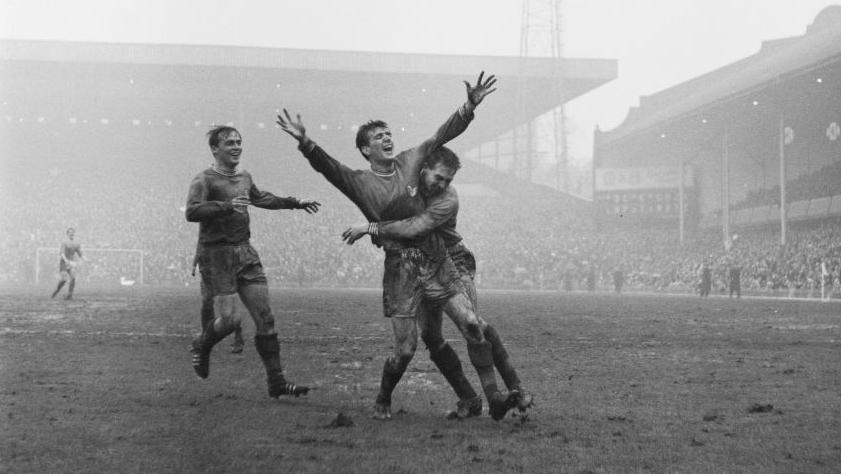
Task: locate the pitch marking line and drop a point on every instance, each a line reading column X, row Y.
column 70, row 332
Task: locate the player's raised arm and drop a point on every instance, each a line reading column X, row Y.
column 338, row 174
column 295, row 128
column 457, row 123
column 483, row 88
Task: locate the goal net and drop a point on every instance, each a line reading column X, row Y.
column 106, row 266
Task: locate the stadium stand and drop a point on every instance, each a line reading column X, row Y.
column 117, row 169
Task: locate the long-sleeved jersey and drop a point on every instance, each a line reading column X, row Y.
column 209, row 204
column 433, row 230
column 390, row 196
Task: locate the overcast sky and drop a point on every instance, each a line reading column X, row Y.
column 658, row 43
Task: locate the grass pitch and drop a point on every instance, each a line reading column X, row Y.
column 628, row 383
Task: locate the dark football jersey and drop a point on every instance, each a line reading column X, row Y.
column 432, row 230
column 392, row 196
column 209, row 204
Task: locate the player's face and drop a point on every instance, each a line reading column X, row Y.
column 436, row 179
column 380, row 146
column 228, row 150
column 71, row 233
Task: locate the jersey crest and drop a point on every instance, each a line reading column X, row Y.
column 413, row 190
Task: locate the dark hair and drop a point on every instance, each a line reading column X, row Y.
column 215, row 134
column 364, row 130
column 442, row 155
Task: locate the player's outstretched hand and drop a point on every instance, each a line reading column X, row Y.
column 309, row 205
column 475, row 94
column 354, row 233
column 292, row 127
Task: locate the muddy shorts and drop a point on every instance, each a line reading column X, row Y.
column 410, row 277
column 225, row 268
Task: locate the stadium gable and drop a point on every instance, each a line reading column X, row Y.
column 730, row 139
column 775, row 62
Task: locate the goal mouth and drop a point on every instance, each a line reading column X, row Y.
column 101, row 266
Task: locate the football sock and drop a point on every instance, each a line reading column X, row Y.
column 448, row 363
column 207, row 313
column 268, row 347
column 202, row 346
column 482, row 360
column 211, row 335
column 501, row 359
column 58, row 288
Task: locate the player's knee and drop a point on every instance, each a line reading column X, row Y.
column 433, row 342
column 473, row 332
column 405, row 349
column 434, row 345
column 400, row 361
column 224, row 324
column 265, row 327
column 263, row 321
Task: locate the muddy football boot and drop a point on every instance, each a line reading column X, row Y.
column 201, row 359
column 381, row 411
column 278, row 387
column 499, row 405
column 467, row 408
column 522, row 399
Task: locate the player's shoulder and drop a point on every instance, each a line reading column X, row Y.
column 403, row 157
column 448, row 198
column 452, row 190
column 204, row 174
column 449, row 193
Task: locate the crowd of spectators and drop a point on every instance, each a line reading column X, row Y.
column 522, row 240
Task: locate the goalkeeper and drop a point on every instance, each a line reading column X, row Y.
column 71, row 256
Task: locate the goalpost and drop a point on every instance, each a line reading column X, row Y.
column 101, row 265
column 826, row 289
